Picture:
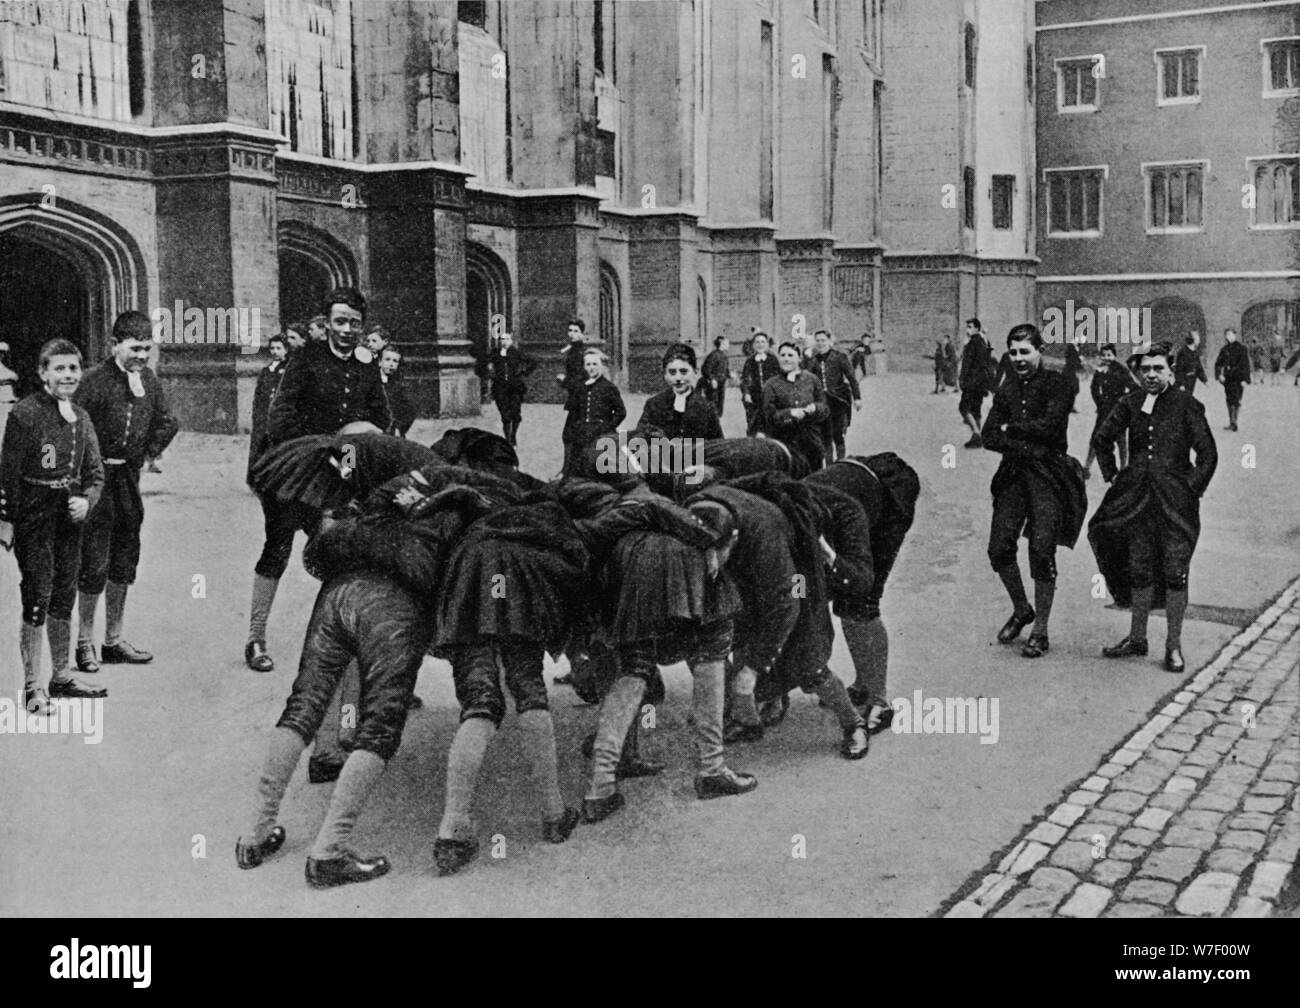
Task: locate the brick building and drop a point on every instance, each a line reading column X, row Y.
column 1169, row 150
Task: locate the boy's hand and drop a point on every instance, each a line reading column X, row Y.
column 78, row 508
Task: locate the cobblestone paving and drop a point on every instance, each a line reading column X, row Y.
column 1197, row 814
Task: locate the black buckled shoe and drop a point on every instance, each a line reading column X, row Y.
column 1174, row 660
column 856, row 743
column 123, row 653
column 558, row 830
column 721, row 785
column 737, row 731
column 256, row 658
column 451, row 856
column 596, row 809
column 86, row 660
column 1012, row 627
column 326, row 768
column 252, row 855
column 347, row 868
column 70, row 689
column 1036, row 646
column 1128, row 646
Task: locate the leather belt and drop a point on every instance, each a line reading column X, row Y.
column 57, row 484
column 113, row 461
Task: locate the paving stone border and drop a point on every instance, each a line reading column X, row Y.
column 1195, row 814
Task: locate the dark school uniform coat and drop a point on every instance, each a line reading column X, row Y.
column 1232, row 366
column 321, row 392
column 1108, row 387
column 699, row 420
column 1160, row 479
column 593, row 409
column 780, row 396
column 835, row 372
column 35, row 426
column 510, row 373
column 1036, row 411
column 268, row 382
column 128, row 427
column 400, row 406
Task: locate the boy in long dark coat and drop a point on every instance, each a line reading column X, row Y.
column 399, row 403
column 1038, row 489
column 1146, row 528
column 595, row 407
column 759, row 367
column 1111, row 382
column 50, row 479
column 127, row 405
column 794, row 408
column 977, row 379
column 263, row 393
column 509, row 369
column 840, row 386
column 1232, row 371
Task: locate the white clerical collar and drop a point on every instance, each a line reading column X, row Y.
column 760, row 357
column 679, row 401
column 791, row 376
column 592, row 381
column 133, row 379
column 65, row 407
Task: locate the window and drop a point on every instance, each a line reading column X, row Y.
column 134, row 58
column 598, row 34
column 471, row 12
column 970, row 55
column 1276, row 190
column 765, row 146
column 968, row 197
column 1004, row 188
column 1178, row 76
column 1175, row 197
column 871, row 27
column 1078, row 83
column 1281, row 66
column 1029, row 74
column 1074, row 198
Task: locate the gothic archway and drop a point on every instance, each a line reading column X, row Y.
column 312, row 262
column 65, row 270
column 487, row 304
column 611, row 317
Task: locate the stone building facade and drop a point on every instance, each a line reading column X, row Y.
column 669, row 169
column 1169, row 147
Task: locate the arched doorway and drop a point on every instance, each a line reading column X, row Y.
column 611, row 317
column 312, row 263
column 487, row 305
column 1172, row 318
column 1262, row 323
column 65, row 270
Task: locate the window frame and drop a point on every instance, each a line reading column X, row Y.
column 1011, row 202
column 1161, row 100
column 1172, row 229
column 1268, row 91
column 1100, row 230
column 1098, row 60
column 1251, row 162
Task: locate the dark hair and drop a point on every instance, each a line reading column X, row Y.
column 320, row 320
column 579, row 323
column 818, row 332
column 755, row 335
column 383, row 333
column 1102, row 348
column 390, row 349
column 56, row 348
column 133, row 325
column 792, row 345
column 1025, row 332
column 679, row 351
column 718, row 341
column 278, row 338
column 1161, row 349
column 349, row 296
column 296, row 327
column 975, row 322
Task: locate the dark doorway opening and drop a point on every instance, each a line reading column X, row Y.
column 43, row 296
column 304, row 282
